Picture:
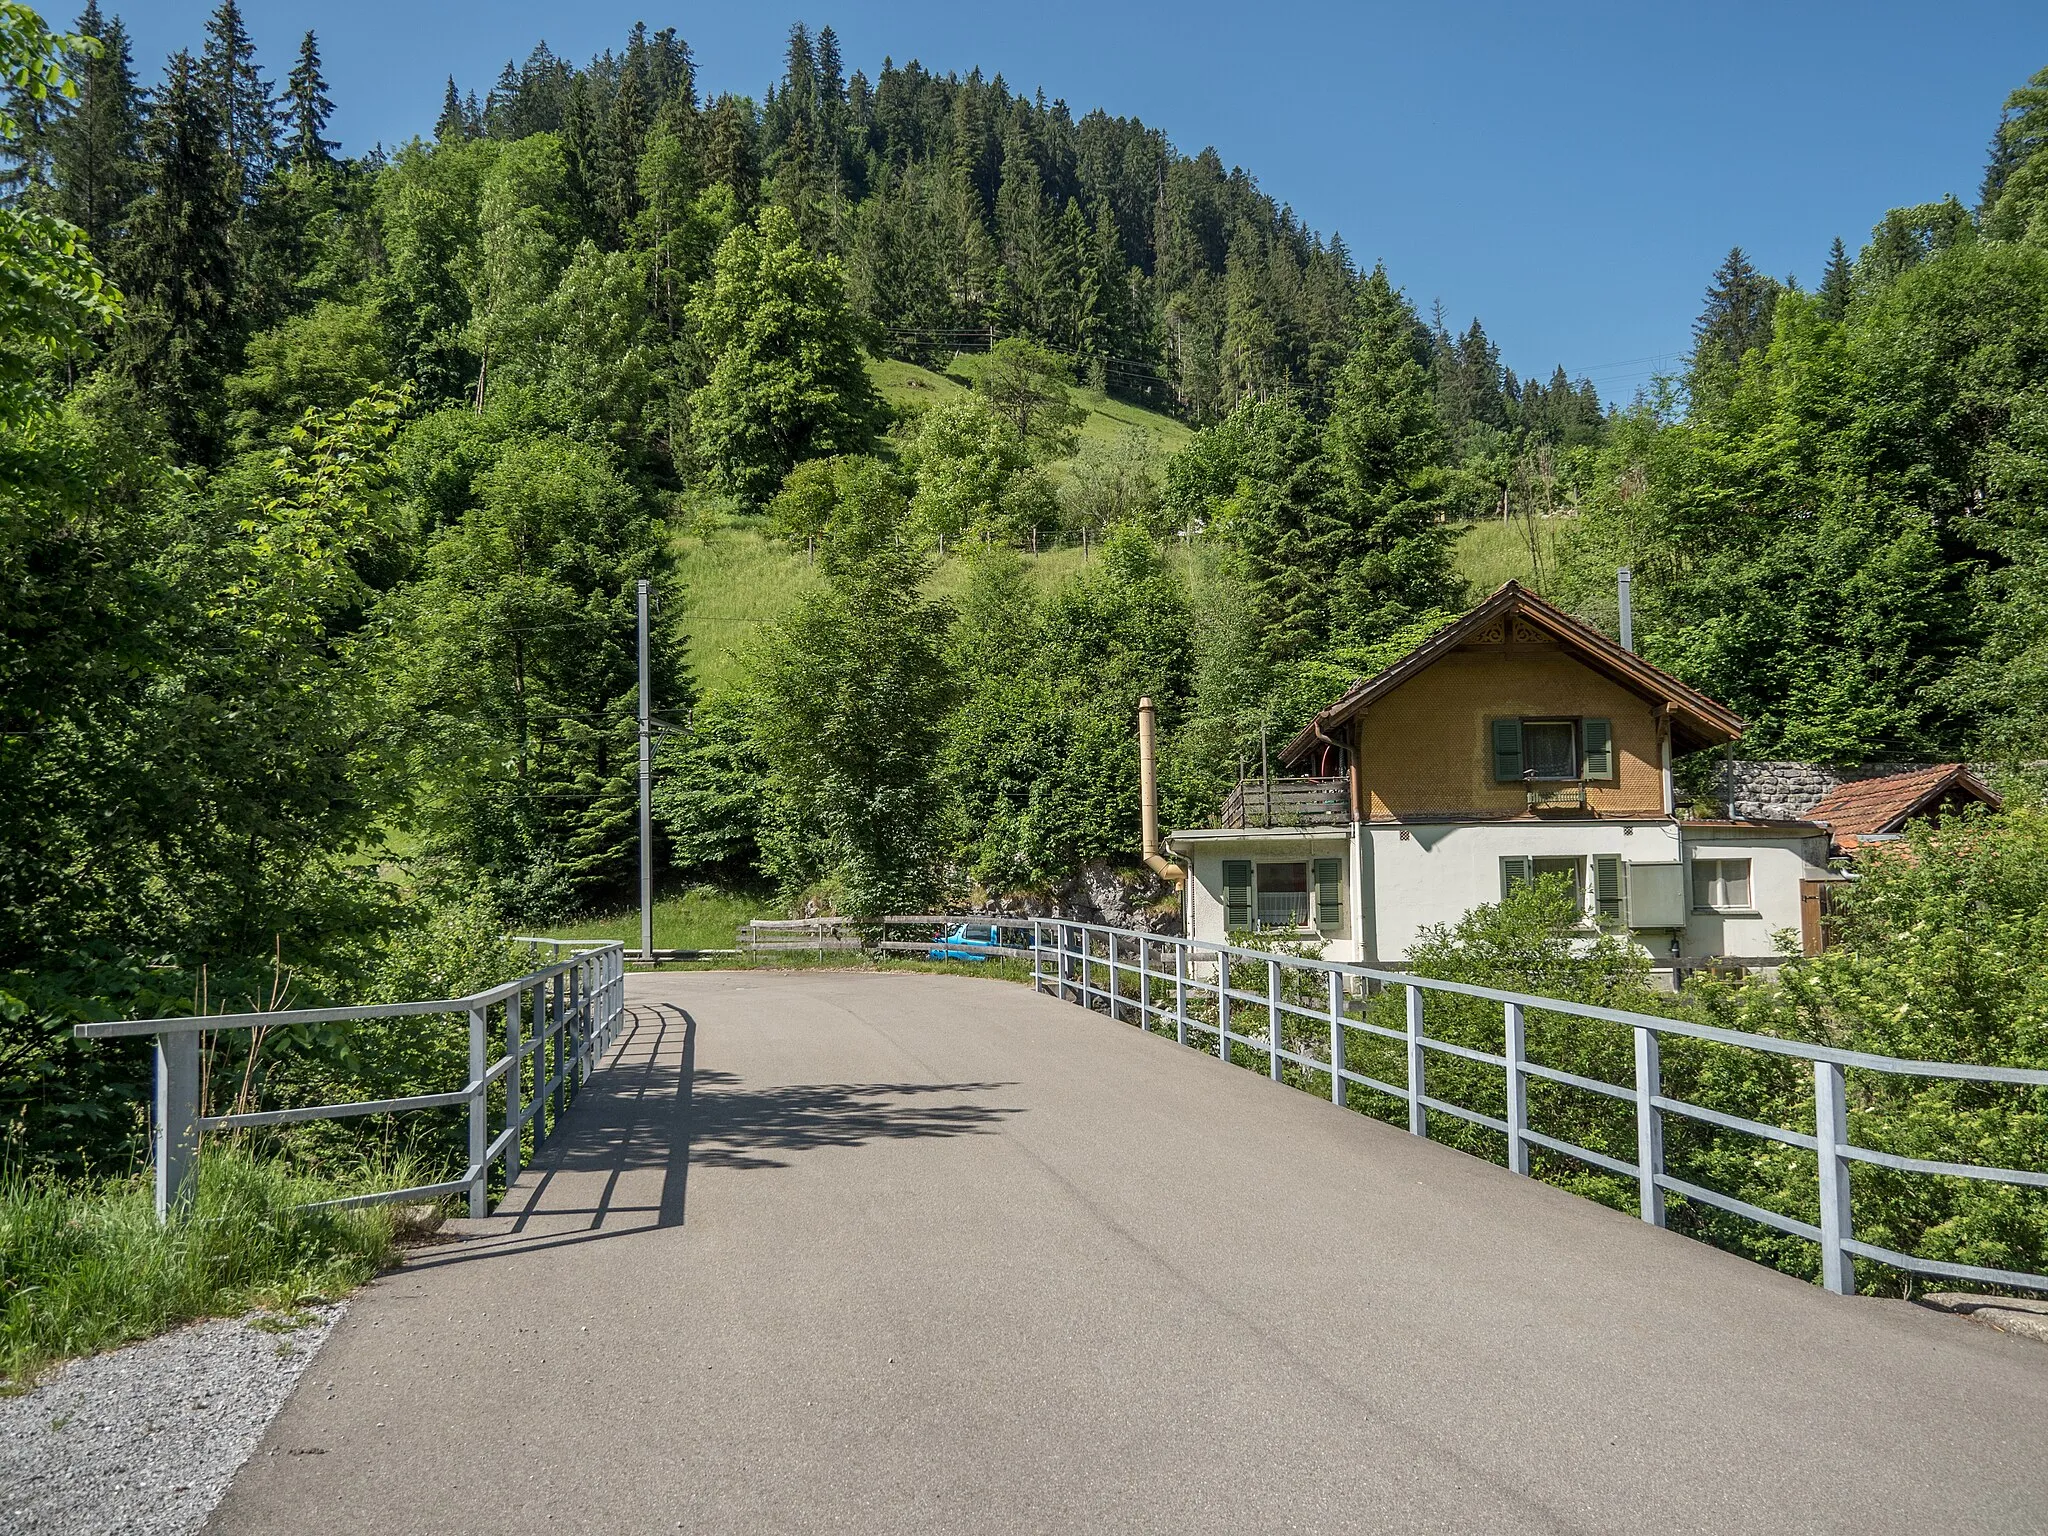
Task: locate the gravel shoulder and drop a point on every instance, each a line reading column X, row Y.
column 143, row 1441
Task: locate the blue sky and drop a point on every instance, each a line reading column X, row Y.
column 1569, row 173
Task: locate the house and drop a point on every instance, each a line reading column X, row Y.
column 1515, row 743
column 1877, row 809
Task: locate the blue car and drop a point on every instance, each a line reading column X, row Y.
column 975, row 942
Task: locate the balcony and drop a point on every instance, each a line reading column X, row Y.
column 1289, row 802
column 1557, row 796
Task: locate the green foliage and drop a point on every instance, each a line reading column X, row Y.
column 975, row 472
column 1534, row 940
column 1042, row 753
column 510, row 664
column 319, row 361
column 709, row 789
column 1030, row 387
column 854, row 692
column 87, row 1268
column 786, row 382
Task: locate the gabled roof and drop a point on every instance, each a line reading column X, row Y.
column 1864, row 806
column 1697, row 721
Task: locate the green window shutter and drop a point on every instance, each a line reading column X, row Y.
column 1507, row 751
column 1599, row 741
column 1610, row 888
column 1514, row 873
column 1329, row 895
column 1237, row 894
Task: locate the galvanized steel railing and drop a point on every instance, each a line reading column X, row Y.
column 1159, row 977
column 569, row 1008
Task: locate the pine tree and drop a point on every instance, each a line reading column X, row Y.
column 2016, row 182
column 1736, row 321
column 453, row 123
column 1837, row 282
column 1021, row 235
column 729, row 150
column 180, row 266
column 307, row 109
column 1385, row 444
column 242, row 103
column 1104, row 297
column 617, row 184
column 96, row 146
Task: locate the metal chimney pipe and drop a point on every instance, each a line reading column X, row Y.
column 1628, row 615
column 1148, row 796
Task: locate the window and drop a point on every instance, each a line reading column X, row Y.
column 1521, row 870
column 1552, row 751
column 1283, row 896
column 1720, row 885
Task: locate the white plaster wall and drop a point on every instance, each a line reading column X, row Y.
column 1775, row 867
column 1421, row 875
column 1203, row 861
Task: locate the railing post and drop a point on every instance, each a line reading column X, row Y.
column 1649, row 1124
column 175, row 1134
column 479, row 1188
column 1180, row 990
column 540, row 1063
column 1336, row 1037
column 1115, row 984
column 1223, row 1004
column 1037, row 957
column 559, row 1029
column 1518, row 1090
column 1831, row 1130
column 515, row 1087
column 1273, row 1019
column 1145, row 982
column 1418, row 1112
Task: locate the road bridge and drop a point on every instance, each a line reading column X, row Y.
column 842, row 1251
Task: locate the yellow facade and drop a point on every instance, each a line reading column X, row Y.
column 1426, row 749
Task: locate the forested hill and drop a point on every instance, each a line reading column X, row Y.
column 962, row 208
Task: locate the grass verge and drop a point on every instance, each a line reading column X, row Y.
column 698, row 919
column 85, row 1268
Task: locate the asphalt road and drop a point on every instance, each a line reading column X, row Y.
column 829, row 1251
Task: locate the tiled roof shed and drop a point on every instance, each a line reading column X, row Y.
column 1867, row 806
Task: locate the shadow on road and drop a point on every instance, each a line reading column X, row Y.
column 650, row 1113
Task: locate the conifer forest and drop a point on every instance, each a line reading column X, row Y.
column 946, row 421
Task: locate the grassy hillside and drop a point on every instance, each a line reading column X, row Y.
column 737, row 578
column 1490, row 553
column 1108, row 419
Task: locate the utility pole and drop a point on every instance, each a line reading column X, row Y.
column 646, row 797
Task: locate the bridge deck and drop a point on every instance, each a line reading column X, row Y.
column 833, row 1251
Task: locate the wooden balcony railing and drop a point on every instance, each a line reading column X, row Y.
column 1290, row 802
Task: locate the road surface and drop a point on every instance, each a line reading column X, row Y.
column 849, row 1252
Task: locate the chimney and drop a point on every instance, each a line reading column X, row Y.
column 1148, row 797
column 1628, row 616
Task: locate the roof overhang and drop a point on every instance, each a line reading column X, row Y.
column 1696, row 720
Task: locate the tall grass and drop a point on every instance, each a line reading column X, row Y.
column 698, row 919
column 86, row 1267
column 1487, row 554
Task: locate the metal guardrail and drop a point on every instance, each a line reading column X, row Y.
column 1160, row 977
column 571, row 1006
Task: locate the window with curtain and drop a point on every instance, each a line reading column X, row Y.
column 1720, row 885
